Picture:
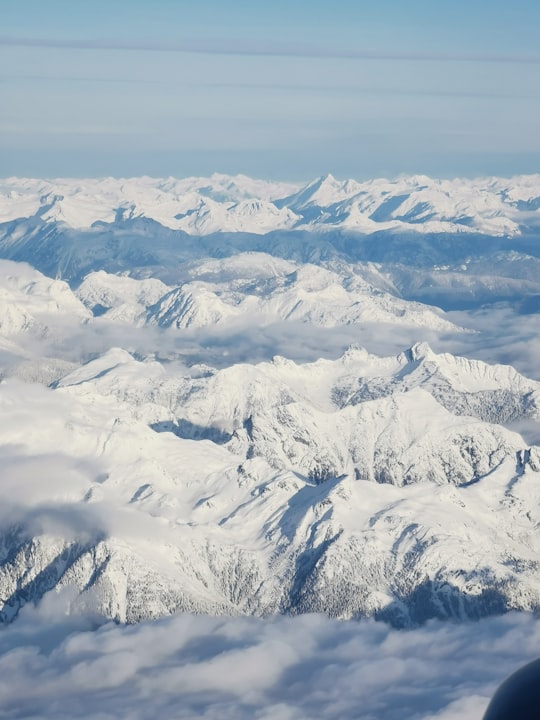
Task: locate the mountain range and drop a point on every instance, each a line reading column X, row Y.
column 450, row 243
column 392, row 486
column 202, row 206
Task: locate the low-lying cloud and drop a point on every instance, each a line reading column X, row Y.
column 503, row 335
column 303, row 668
column 496, row 334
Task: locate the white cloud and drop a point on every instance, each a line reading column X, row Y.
column 53, row 666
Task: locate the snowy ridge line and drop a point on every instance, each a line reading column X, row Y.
column 221, row 203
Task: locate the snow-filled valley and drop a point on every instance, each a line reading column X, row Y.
column 230, row 397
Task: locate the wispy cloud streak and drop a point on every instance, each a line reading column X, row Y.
column 292, row 87
column 231, row 47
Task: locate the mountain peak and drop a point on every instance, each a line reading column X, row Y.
column 421, row 351
column 418, row 352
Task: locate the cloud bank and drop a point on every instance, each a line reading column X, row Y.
column 308, row 667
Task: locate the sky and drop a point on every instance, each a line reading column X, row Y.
column 284, row 90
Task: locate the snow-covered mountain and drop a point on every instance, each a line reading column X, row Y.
column 28, row 300
column 33, row 309
column 252, row 287
column 361, row 486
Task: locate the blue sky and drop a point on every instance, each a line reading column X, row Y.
column 280, row 89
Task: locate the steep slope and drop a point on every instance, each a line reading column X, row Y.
column 36, row 312
column 120, row 298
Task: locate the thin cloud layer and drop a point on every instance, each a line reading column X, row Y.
column 307, row 667
column 277, row 49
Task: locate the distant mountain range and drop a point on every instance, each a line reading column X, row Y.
column 452, row 243
column 202, row 206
